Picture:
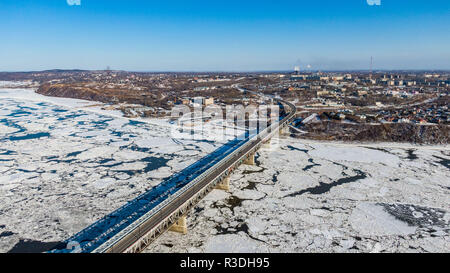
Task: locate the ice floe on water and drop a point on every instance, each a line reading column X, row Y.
column 352, row 154
column 233, row 244
column 370, row 219
column 308, row 196
column 63, row 166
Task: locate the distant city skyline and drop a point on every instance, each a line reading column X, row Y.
column 230, row 36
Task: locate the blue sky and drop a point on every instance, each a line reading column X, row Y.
column 224, row 35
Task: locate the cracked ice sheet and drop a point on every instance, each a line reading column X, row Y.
column 259, row 216
column 52, row 186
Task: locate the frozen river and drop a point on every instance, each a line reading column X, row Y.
column 62, row 167
column 307, row 196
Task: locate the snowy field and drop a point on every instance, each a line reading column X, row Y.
column 307, row 196
column 64, row 164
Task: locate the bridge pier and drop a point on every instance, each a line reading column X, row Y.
column 266, row 145
column 284, row 130
column 224, row 185
column 250, row 160
column 180, row 226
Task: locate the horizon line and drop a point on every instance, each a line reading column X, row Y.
column 229, row 71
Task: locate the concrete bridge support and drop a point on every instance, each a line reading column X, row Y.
column 250, row 160
column 266, row 145
column 284, row 130
column 180, row 226
column 224, row 185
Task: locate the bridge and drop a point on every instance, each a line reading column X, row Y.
column 137, row 224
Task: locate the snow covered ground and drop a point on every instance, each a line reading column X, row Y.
column 307, row 196
column 63, row 165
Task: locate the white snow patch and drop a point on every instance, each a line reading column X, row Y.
column 353, row 154
column 104, row 152
column 233, row 244
column 370, row 219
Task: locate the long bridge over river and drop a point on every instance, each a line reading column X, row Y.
column 134, row 226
